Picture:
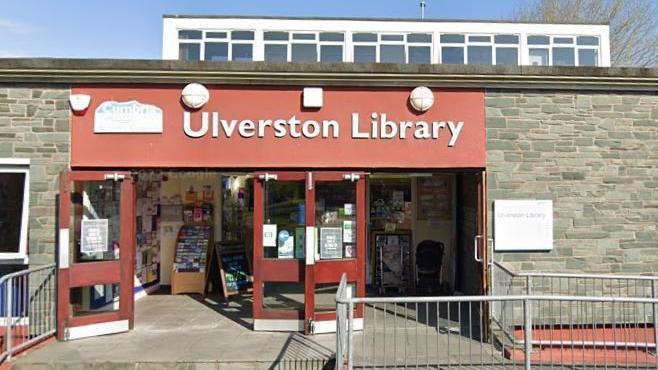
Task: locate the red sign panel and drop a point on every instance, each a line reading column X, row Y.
column 267, row 127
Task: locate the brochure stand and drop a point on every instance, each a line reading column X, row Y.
column 189, row 271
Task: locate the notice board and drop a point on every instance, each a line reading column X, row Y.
column 235, row 272
column 523, row 225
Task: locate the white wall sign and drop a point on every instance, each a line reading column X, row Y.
column 523, row 225
column 127, row 117
column 269, row 235
column 93, row 236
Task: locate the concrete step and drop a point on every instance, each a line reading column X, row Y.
column 284, row 364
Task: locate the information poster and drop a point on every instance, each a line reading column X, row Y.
column 331, row 242
column 93, row 238
column 300, row 242
column 286, row 244
column 269, row 235
column 348, row 231
column 434, row 198
column 523, row 225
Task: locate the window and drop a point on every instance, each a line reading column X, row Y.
column 563, row 50
column 588, row 50
column 217, row 51
column 215, row 45
column 392, row 49
column 452, row 48
column 276, row 46
column 506, row 50
column 538, row 50
column 304, row 47
column 419, row 46
column 365, row 47
column 480, row 55
column 331, row 47
column 14, row 201
column 189, row 51
column 564, row 57
column 479, row 49
column 538, row 57
column 304, row 53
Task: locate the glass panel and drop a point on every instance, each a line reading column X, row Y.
column 96, row 222
column 364, row 37
column 506, row 39
column 420, row 55
column 419, row 37
column 335, row 218
column 242, row 52
column 284, row 216
column 303, row 36
column 216, row 35
column 189, row 35
column 276, row 36
column 12, row 189
column 452, row 55
column 331, row 53
column 284, row 295
column 563, row 57
column 242, row 35
column 479, row 55
column 189, row 51
column 588, row 57
column 93, row 299
column 538, row 57
column 276, row 53
column 392, row 37
column 392, row 54
column 563, row 40
column 365, row 54
column 538, row 40
column 587, row 40
column 304, row 53
column 448, row 38
column 479, row 38
column 325, row 296
column 507, row 56
column 217, row 51
column 332, row 36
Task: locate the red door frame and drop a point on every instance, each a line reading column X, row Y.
column 294, row 270
column 103, row 272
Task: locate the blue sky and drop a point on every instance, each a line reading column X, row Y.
column 132, row 28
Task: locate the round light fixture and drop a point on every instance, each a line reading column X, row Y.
column 195, row 95
column 421, row 98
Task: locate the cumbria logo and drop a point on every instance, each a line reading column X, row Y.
column 128, row 117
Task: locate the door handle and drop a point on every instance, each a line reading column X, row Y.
column 476, row 250
column 268, row 176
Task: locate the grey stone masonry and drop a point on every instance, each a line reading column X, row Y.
column 596, row 156
column 34, row 123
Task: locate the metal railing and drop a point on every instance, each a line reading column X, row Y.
column 27, row 309
column 543, row 330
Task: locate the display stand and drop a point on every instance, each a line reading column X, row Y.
column 189, row 271
column 392, row 262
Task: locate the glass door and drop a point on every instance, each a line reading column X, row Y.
column 95, row 254
column 280, row 216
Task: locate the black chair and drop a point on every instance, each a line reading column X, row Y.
column 429, row 258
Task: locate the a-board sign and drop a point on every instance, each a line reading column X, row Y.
column 93, row 238
column 523, row 225
column 234, row 270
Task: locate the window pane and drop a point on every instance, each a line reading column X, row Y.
column 507, row 56
column 304, row 53
column 588, row 57
column 563, row 57
column 538, row 57
column 419, row 37
column 587, row 40
column 303, row 36
column 506, row 39
column 242, row 52
column 283, row 295
column 216, row 35
column 364, row 37
column 276, row 53
column 332, row 36
column 479, row 38
column 189, row 51
column 94, row 299
column 331, row 53
column 12, row 187
column 242, row 35
column 284, row 207
column 420, row 55
column 452, row 55
column 276, row 36
column 563, row 40
column 392, row 54
column 479, row 55
column 538, row 40
column 365, row 54
column 452, row 38
column 392, row 37
column 336, row 219
column 217, row 51
column 189, row 35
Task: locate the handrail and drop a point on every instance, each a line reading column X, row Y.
column 573, row 275
column 4, row 278
column 490, row 298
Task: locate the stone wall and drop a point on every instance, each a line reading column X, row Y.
column 34, row 123
column 596, row 156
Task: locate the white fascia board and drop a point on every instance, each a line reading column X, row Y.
column 14, row 161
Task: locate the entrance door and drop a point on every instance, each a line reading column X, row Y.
column 95, row 254
column 309, row 228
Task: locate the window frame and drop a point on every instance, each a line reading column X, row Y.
column 18, row 165
column 316, row 41
column 574, row 45
column 228, row 40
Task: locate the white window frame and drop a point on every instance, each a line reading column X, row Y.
column 516, row 46
column 365, row 43
column 318, row 44
column 19, row 165
column 410, row 44
column 574, row 45
column 205, row 39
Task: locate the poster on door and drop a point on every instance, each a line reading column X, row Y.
column 331, row 242
column 93, row 236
